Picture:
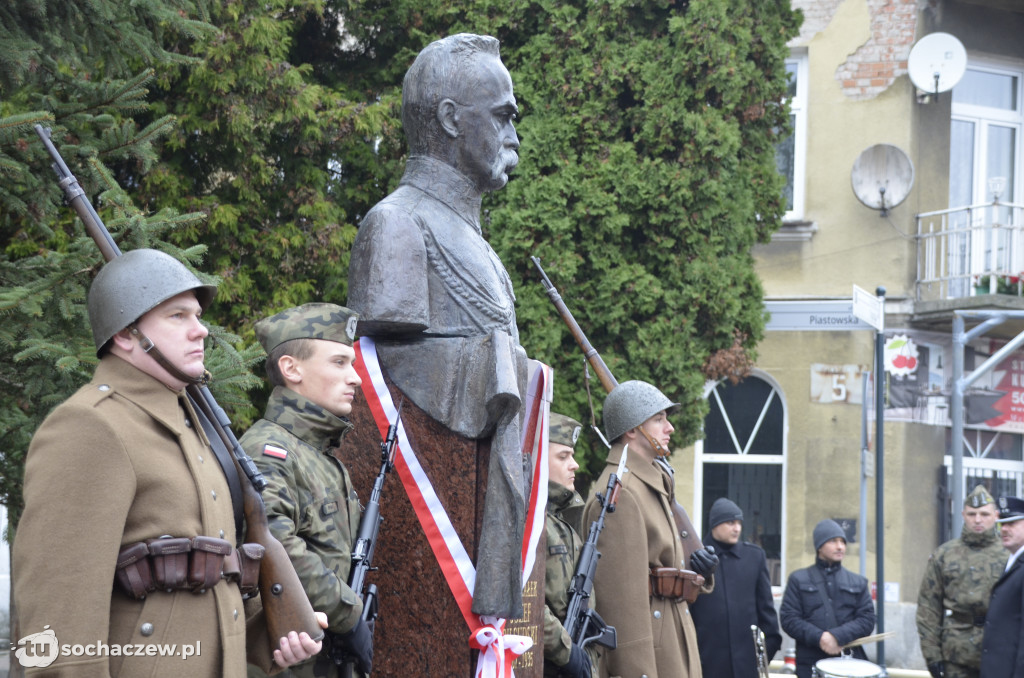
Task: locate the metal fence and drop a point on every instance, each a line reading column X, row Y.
column 964, row 251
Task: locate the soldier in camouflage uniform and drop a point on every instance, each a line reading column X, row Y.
column 311, row 505
column 563, row 658
column 955, row 592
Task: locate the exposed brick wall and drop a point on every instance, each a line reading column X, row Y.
column 873, row 66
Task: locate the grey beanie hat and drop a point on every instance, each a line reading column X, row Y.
column 825, row 530
column 722, row 511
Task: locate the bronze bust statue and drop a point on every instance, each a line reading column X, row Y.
column 435, row 297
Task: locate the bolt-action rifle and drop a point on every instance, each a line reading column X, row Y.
column 366, row 543
column 691, row 540
column 284, row 601
column 583, row 624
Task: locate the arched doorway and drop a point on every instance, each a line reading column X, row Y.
column 742, row 457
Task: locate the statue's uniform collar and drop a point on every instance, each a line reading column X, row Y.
column 444, row 183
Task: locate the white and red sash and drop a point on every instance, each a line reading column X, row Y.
column 497, row 651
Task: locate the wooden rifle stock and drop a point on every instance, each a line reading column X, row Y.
column 690, row 537
column 284, row 600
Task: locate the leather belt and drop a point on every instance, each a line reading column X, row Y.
column 186, row 564
column 967, row 618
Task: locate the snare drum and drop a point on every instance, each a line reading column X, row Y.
column 845, row 667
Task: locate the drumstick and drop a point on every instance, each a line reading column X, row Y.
column 869, row 639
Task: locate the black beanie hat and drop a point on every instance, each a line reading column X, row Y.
column 722, row 511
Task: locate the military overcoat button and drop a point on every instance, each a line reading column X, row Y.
column 214, row 493
column 146, row 629
column 103, row 387
column 657, row 614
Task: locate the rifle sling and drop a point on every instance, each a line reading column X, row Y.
column 226, row 461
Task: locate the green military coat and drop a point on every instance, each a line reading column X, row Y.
column 656, row 637
column 123, row 461
column 955, row 590
column 561, row 533
column 311, row 505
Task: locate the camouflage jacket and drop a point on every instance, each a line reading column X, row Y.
column 562, row 527
column 311, row 504
column 955, row 590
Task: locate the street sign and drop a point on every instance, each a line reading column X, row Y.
column 828, row 315
column 869, row 307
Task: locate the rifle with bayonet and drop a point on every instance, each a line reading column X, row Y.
column 583, row 624
column 688, row 534
column 366, row 543
column 284, row 601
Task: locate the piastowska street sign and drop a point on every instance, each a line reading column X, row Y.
column 829, row 315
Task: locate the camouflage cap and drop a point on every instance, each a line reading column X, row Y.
column 309, row 321
column 564, row 430
column 979, row 497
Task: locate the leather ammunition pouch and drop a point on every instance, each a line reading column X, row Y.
column 674, row 584
column 243, row 566
column 180, row 563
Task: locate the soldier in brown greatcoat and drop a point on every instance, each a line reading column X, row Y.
column 656, row 636
column 124, row 462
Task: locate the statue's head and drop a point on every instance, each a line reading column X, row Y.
column 458, row 107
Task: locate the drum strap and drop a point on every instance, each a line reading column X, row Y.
column 818, row 578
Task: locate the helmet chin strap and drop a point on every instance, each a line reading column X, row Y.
column 150, row 348
column 659, row 449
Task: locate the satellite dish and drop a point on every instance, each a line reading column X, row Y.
column 937, row 62
column 882, row 177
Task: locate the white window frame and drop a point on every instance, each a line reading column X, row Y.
column 982, row 117
column 798, row 109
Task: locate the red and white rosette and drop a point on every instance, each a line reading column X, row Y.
column 497, row 650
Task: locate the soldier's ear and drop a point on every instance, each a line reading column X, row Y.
column 123, row 340
column 290, row 369
column 448, row 117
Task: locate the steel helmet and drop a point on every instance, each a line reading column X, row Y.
column 630, row 404
column 134, row 283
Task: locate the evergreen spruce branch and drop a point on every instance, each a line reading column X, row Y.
column 14, row 127
column 87, row 96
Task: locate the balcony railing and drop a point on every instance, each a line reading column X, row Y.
column 965, row 251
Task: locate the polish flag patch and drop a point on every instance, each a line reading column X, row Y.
column 274, row 451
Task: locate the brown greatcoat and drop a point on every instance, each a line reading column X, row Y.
column 656, row 637
column 121, row 461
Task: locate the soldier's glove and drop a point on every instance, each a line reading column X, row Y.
column 937, row 669
column 704, row 561
column 359, row 641
column 578, row 666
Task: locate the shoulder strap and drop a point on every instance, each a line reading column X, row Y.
column 818, row 578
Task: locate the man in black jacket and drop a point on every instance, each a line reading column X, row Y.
column 742, row 597
column 1002, row 646
column 826, row 606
